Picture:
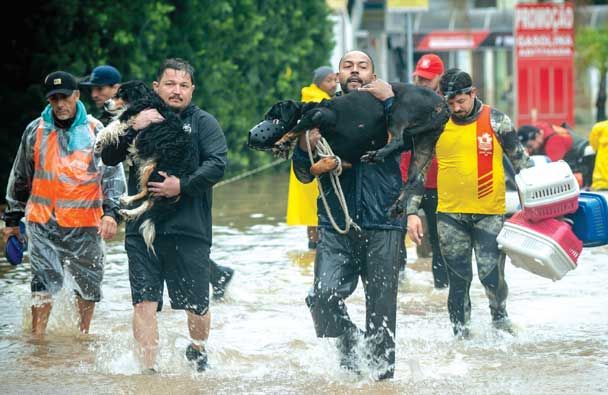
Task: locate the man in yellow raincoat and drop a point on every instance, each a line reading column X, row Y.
column 598, row 139
column 302, row 198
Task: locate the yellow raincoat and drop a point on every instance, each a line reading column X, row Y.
column 302, row 198
column 598, row 138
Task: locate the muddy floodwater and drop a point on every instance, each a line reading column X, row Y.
column 262, row 338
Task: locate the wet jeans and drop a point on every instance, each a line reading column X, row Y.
column 429, row 205
column 373, row 255
column 459, row 235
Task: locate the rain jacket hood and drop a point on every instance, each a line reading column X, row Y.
column 78, row 135
column 312, row 93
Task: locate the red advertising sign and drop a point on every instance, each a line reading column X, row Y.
column 544, row 56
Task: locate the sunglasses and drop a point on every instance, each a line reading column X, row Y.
column 451, row 94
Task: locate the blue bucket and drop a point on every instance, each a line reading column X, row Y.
column 13, row 250
column 591, row 219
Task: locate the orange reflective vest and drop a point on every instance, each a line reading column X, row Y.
column 66, row 184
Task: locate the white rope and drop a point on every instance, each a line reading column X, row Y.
column 324, row 150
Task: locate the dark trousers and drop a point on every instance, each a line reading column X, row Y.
column 217, row 273
column 373, row 255
column 459, row 235
column 429, row 206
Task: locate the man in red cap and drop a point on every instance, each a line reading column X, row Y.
column 429, row 70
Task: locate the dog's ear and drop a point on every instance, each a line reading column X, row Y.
column 319, row 117
column 144, row 90
column 288, row 112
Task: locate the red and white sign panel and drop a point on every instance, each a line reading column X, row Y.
column 544, row 53
column 444, row 41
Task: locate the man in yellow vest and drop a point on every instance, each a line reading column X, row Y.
column 471, row 196
column 69, row 199
column 302, row 198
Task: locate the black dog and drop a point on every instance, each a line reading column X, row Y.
column 355, row 124
column 163, row 146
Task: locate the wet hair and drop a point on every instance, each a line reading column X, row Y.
column 526, row 133
column 176, row 64
column 371, row 61
column 455, row 82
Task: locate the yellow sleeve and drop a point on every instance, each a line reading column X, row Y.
column 594, row 136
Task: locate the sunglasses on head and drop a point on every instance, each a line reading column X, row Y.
column 451, row 94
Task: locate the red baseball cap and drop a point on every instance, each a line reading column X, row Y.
column 429, row 66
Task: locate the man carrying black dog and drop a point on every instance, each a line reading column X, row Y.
column 372, row 252
column 182, row 242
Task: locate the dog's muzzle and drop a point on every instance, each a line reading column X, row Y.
column 112, row 107
column 263, row 135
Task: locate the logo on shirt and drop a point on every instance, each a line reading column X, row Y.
column 484, row 144
column 187, row 128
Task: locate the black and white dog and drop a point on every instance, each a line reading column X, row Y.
column 164, row 146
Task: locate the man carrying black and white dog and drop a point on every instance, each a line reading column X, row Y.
column 183, row 241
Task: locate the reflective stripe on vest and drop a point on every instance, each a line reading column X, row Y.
column 68, row 185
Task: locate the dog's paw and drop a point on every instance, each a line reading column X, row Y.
column 324, row 165
column 397, row 209
column 372, row 157
column 282, row 150
column 126, row 214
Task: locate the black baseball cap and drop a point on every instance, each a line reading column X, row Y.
column 60, row 82
column 103, row 75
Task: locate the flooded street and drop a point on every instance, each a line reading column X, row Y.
column 262, row 338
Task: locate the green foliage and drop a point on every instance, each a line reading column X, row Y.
column 592, row 47
column 592, row 51
column 247, row 54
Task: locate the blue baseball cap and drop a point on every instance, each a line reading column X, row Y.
column 103, row 75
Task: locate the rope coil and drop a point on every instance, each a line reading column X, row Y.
column 323, row 150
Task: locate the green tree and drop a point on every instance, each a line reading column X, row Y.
column 248, row 54
column 592, row 50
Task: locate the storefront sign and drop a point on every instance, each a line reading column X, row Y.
column 544, row 53
column 444, row 41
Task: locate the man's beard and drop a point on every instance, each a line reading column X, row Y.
column 344, row 85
